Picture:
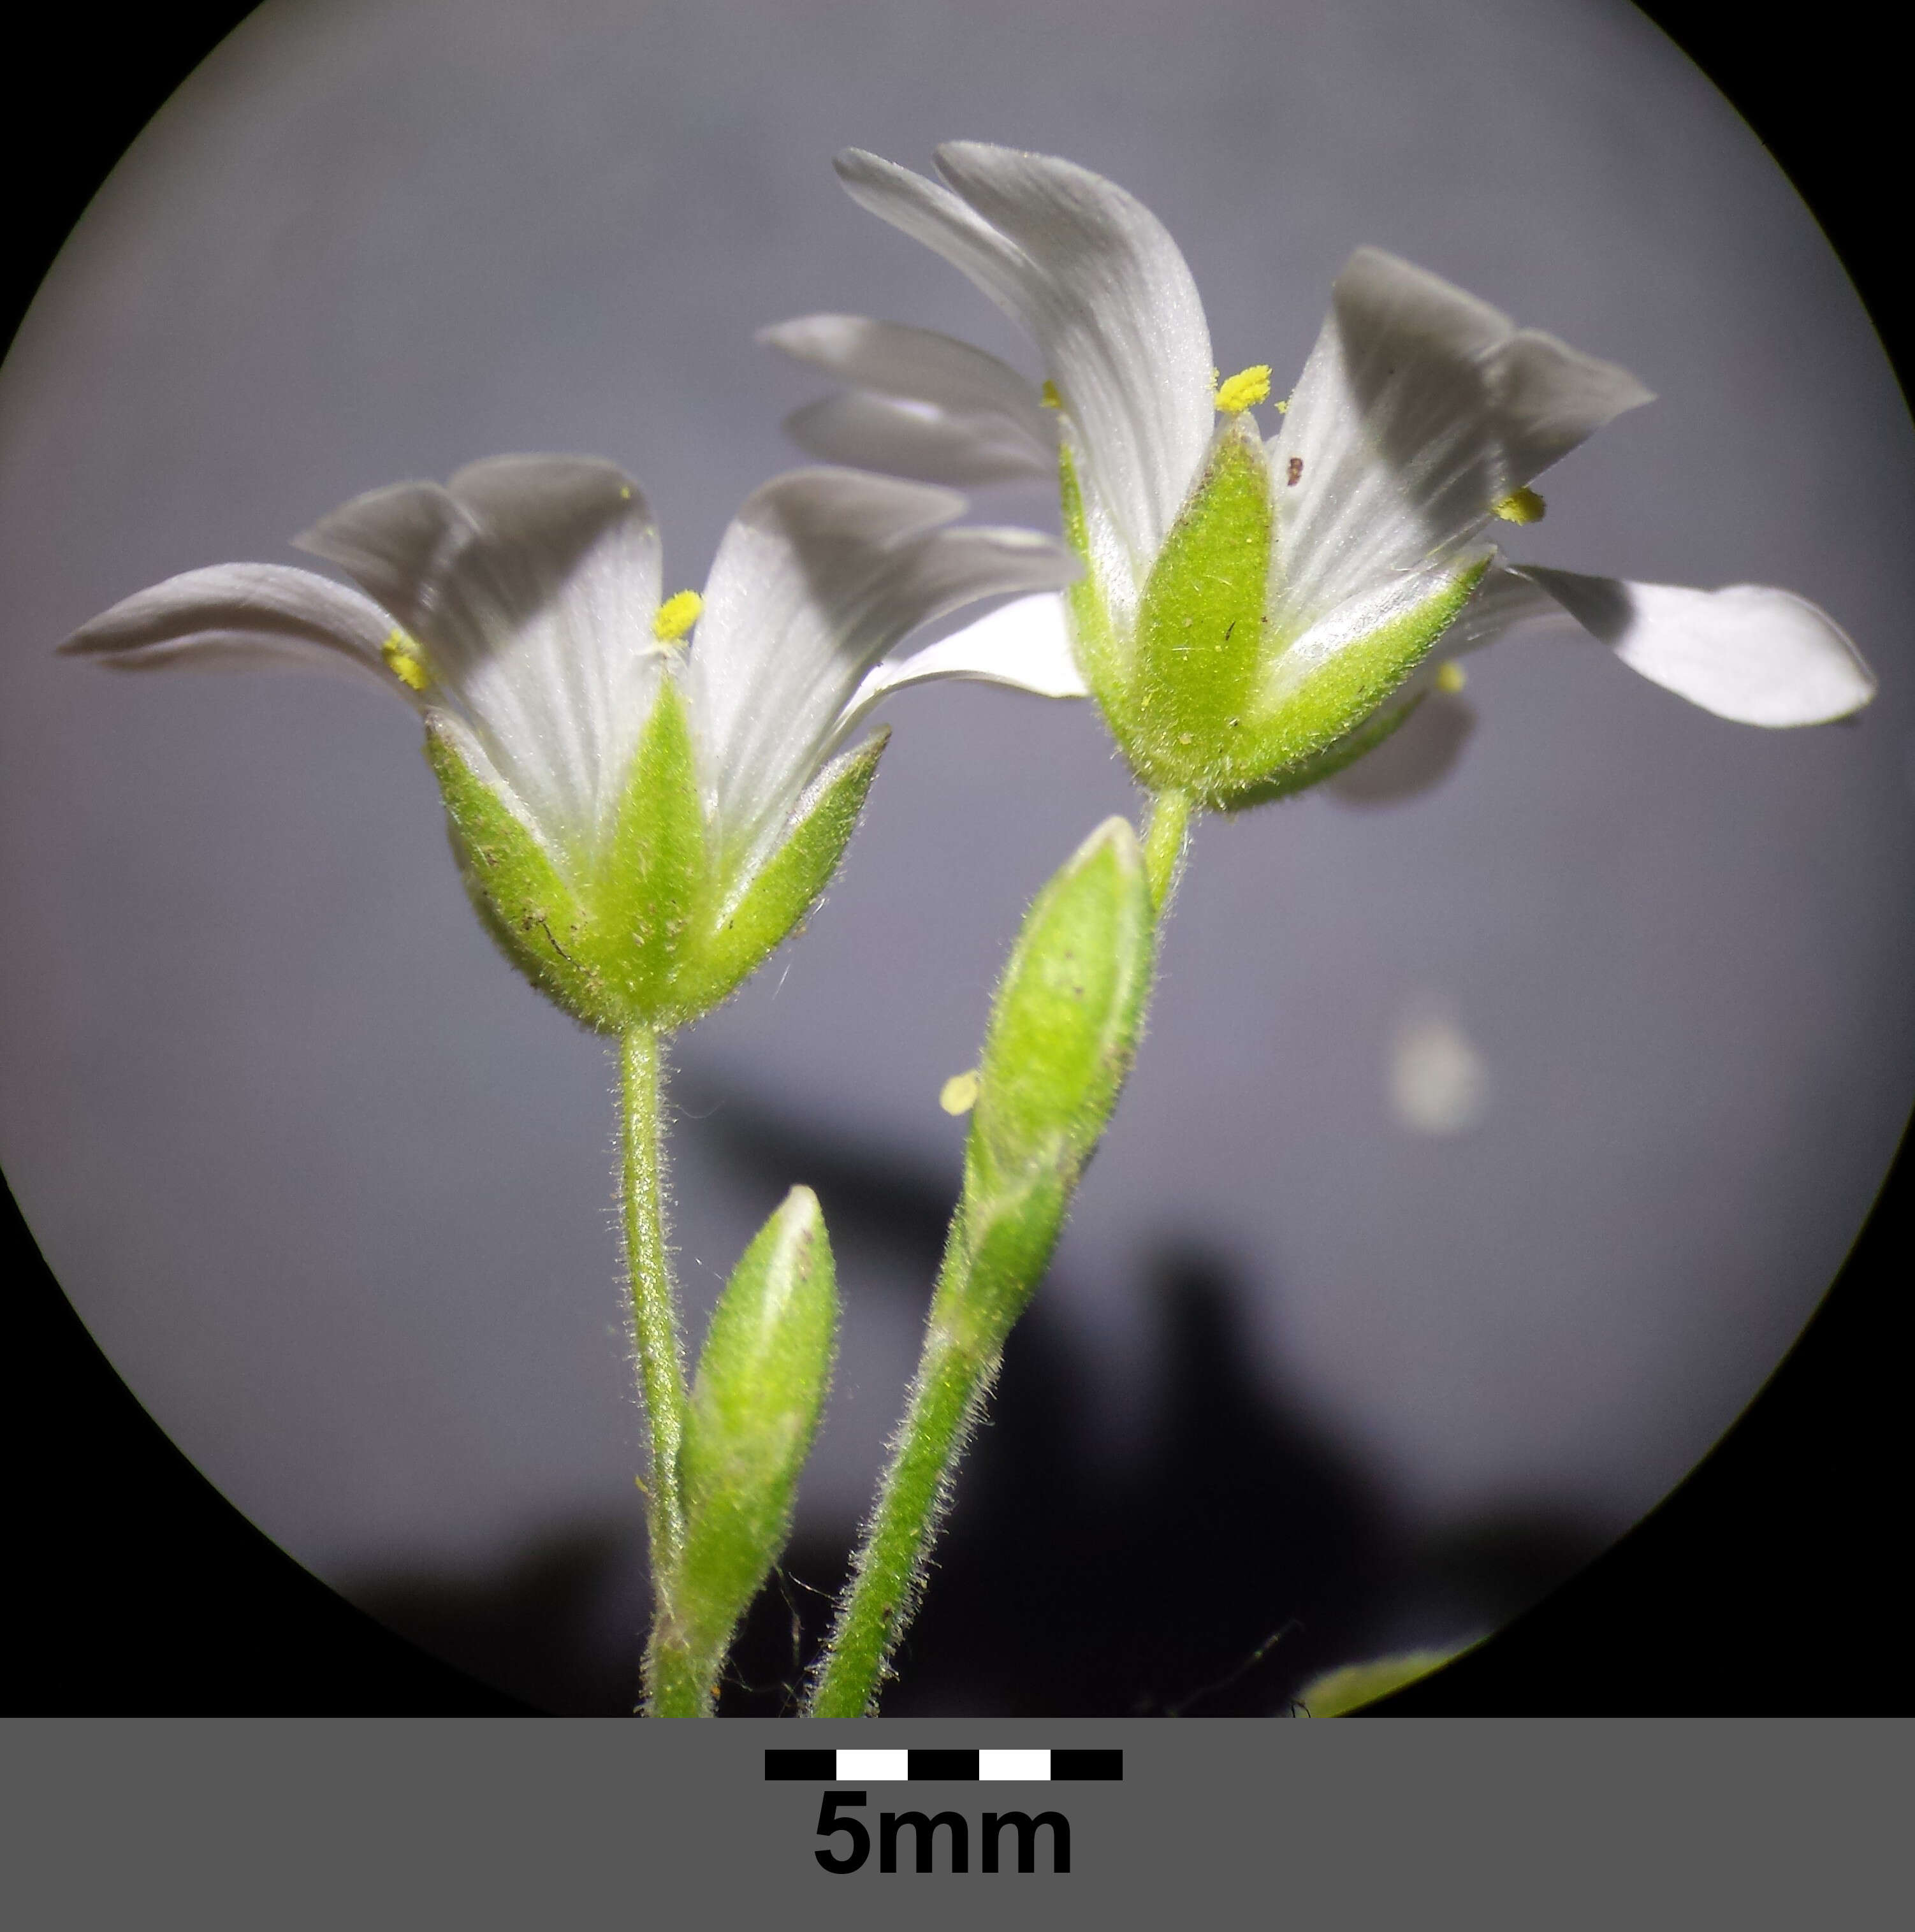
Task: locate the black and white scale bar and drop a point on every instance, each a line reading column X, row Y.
column 957, row 1767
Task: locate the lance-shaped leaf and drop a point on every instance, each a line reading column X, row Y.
column 1062, row 1034
column 761, row 1384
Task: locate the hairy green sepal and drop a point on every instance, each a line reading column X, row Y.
column 1294, row 741
column 520, row 899
column 1200, row 629
column 761, row 1383
column 657, row 933
column 786, row 886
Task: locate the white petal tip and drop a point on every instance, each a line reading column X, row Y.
column 1747, row 653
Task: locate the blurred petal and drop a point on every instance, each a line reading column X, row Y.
column 1419, row 409
column 822, row 572
column 1439, row 1082
column 1098, row 282
column 1757, row 655
column 243, row 614
column 901, row 437
column 1415, row 758
column 532, row 582
column 1025, row 644
column 920, row 365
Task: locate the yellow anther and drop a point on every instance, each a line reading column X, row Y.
column 624, row 492
column 958, row 1094
column 1451, row 677
column 677, row 615
column 1048, row 396
column 1283, row 407
column 1244, row 390
column 1521, row 506
column 403, row 661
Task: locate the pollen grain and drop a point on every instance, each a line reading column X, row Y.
column 1244, row 390
column 677, row 615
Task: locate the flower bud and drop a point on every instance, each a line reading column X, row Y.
column 1062, row 1034
column 761, row 1384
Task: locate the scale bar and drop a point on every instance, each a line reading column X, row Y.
column 957, row 1767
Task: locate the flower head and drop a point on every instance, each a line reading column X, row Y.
column 1256, row 613
column 639, row 818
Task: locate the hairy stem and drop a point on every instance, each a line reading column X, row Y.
column 654, row 1314
column 952, row 1381
column 1166, row 839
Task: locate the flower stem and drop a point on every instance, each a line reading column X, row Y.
column 1063, row 1026
column 953, row 1382
column 661, row 1362
column 1166, row 839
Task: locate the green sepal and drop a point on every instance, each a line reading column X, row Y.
column 520, row 899
column 1200, row 627
column 1094, row 643
column 1300, row 718
column 1062, row 1034
column 788, row 885
column 646, row 902
column 1336, row 1693
column 1327, row 763
column 761, row 1382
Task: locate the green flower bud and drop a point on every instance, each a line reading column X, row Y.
column 761, row 1384
column 1062, row 1033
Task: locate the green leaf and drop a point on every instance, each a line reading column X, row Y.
column 1336, row 1693
column 646, row 902
column 1200, row 627
column 1062, row 1033
column 761, row 1381
column 520, row 897
column 788, row 885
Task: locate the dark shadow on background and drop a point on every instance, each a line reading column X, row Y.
column 1241, row 1551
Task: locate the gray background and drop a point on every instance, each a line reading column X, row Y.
column 330, row 1187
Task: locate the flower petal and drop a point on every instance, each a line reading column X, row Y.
column 243, row 614
column 532, row 582
column 1757, row 656
column 1025, row 644
column 901, row 437
column 920, row 365
column 822, row 572
column 1420, row 408
column 1416, row 757
column 1097, row 280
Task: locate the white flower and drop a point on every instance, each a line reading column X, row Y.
column 640, row 821
column 1255, row 614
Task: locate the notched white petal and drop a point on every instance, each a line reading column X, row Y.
column 1097, row 281
column 1419, row 409
column 531, row 581
column 245, row 615
column 822, row 572
column 1747, row 653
